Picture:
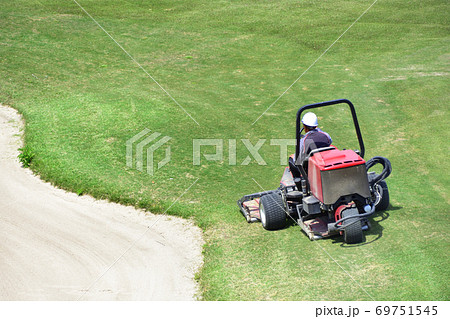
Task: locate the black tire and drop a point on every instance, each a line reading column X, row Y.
column 382, row 196
column 272, row 213
column 353, row 233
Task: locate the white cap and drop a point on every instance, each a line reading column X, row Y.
column 310, row 119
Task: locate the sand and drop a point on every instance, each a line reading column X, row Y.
column 55, row 245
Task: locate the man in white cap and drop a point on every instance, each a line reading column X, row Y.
column 314, row 138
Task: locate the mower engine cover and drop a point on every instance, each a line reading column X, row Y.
column 336, row 173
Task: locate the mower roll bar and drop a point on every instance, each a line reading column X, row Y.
column 322, row 104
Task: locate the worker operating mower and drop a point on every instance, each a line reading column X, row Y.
column 334, row 194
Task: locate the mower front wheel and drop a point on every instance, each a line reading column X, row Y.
column 272, row 213
column 353, row 233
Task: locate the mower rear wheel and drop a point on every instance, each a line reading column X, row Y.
column 272, row 213
column 353, row 233
column 382, row 196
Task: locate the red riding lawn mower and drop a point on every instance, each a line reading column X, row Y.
column 334, row 195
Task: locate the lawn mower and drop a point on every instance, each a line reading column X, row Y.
column 334, row 195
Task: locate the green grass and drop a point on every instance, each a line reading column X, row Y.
column 25, row 156
column 225, row 62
